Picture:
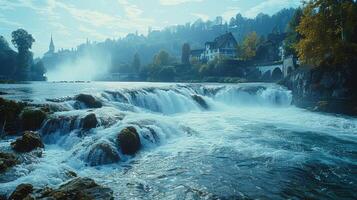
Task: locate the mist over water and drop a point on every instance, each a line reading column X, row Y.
column 87, row 67
column 247, row 142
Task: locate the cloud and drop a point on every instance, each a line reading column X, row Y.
column 201, row 16
column 231, row 12
column 176, row 2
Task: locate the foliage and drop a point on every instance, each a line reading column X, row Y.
column 4, row 45
column 293, row 37
column 22, row 40
column 185, row 57
column 39, row 68
column 329, row 32
column 163, row 58
column 249, row 47
column 7, row 59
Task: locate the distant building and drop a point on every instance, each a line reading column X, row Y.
column 51, row 49
column 224, row 45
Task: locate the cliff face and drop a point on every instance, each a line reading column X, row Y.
column 327, row 90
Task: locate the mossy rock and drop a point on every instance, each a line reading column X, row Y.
column 7, row 160
column 89, row 101
column 129, row 141
column 32, row 119
column 102, row 154
column 79, row 189
column 88, row 122
column 28, row 142
column 10, row 111
column 22, row 192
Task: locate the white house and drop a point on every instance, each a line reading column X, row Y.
column 224, row 45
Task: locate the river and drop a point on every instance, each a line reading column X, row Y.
column 238, row 141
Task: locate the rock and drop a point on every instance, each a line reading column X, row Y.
column 88, row 122
column 32, row 119
column 28, row 142
column 79, row 189
column 71, row 174
column 22, row 192
column 7, row 160
column 200, row 101
column 62, row 124
column 89, row 101
column 102, row 154
column 9, row 117
column 129, row 141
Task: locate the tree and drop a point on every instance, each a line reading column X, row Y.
column 162, row 59
column 293, row 37
column 249, row 47
column 329, row 30
column 22, row 40
column 186, row 50
column 39, row 68
column 136, row 63
column 4, row 45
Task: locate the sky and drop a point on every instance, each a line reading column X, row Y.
column 71, row 22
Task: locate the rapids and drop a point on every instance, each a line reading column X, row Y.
column 199, row 141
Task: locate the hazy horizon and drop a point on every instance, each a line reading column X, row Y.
column 71, row 23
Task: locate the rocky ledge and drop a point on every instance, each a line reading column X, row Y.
column 75, row 189
column 331, row 90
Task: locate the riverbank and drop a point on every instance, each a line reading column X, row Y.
column 331, row 90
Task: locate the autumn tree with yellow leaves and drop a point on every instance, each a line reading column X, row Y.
column 328, row 30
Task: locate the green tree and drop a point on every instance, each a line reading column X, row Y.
column 293, row 37
column 136, row 63
column 185, row 57
column 249, row 47
column 23, row 42
column 329, row 30
column 4, row 45
column 39, row 68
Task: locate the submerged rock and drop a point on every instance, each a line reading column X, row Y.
column 7, row 160
column 129, row 140
column 88, row 122
column 78, row 189
column 200, row 101
column 63, row 124
column 22, row 191
column 32, row 119
column 89, row 101
column 28, row 142
column 102, row 154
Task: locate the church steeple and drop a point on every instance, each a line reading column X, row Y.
column 52, row 46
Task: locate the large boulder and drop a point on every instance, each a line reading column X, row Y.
column 198, row 99
column 62, row 124
column 129, row 141
column 22, row 191
column 102, row 154
column 32, row 119
column 28, row 142
column 89, row 101
column 7, row 160
column 79, row 189
column 88, row 122
column 9, row 117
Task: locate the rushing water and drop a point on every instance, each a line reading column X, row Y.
column 250, row 143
